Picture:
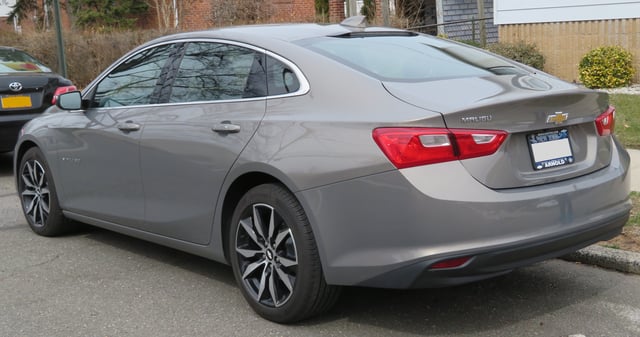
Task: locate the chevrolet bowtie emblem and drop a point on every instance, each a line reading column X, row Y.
column 557, row 118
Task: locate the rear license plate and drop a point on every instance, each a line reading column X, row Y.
column 550, row 149
column 12, row 102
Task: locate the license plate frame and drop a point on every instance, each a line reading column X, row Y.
column 550, row 149
column 16, row 102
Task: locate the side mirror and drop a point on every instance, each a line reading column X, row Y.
column 70, row 101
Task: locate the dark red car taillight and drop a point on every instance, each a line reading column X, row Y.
column 408, row 147
column 606, row 122
column 61, row 90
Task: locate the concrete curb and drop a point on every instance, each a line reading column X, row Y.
column 620, row 260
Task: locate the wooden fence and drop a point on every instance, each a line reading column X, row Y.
column 565, row 43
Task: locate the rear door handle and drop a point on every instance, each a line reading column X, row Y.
column 128, row 126
column 226, row 127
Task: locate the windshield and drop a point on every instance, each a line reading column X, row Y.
column 410, row 58
column 12, row 60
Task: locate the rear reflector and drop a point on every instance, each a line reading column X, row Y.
column 453, row 263
column 409, row 147
column 606, row 122
column 61, row 90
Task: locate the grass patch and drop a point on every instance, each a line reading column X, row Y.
column 627, row 119
column 634, row 218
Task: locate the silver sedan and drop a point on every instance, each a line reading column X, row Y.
column 311, row 157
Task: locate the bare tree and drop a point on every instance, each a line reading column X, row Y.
column 167, row 13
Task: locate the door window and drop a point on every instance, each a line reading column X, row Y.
column 215, row 71
column 134, row 81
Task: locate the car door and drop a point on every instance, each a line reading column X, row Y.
column 189, row 143
column 100, row 155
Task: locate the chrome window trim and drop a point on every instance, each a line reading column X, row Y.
column 302, row 90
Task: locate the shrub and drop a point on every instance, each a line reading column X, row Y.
column 520, row 51
column 606, row 67
column 87, row 53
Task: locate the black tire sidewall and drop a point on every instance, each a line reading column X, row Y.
column 308, row 278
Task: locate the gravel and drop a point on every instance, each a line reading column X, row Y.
column 630, row 90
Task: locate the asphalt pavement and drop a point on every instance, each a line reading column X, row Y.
column 624, row 261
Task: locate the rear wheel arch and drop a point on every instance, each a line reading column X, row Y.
column 240, row 186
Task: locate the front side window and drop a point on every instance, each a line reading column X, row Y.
column 215, row 71
column 133, row 82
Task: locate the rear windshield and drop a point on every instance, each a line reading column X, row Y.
column 410, row 58
column 12, row 61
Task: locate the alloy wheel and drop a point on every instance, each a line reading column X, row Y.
column 35, row 192
column 267, row 256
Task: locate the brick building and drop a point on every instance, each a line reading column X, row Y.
column 191, row 14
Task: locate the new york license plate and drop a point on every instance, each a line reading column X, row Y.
column 550, row 149
column 12, row 102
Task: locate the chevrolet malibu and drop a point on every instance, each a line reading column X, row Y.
column 312, row 157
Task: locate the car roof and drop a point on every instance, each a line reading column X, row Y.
column 264, row 34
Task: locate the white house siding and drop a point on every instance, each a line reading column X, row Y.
column 5, row 7
column 537, row 11
column 460, row 10
column 565, row 30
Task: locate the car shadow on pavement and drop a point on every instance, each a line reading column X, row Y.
column 524, row 297
column 6, row 164
column 189, row 262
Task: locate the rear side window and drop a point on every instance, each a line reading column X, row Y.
column 408, row 58
column 212, row 71
column 281, row 79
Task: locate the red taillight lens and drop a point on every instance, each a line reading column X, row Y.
column 453, row 263
column 61, row 90
column 408, row 147
column 606, row 122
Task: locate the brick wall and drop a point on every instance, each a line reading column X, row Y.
column 336, row 10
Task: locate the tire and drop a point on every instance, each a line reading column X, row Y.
column 274, row 257
column 38, row 197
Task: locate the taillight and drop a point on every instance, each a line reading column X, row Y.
column 606, row 122
column 408, row 147
column 61, row 90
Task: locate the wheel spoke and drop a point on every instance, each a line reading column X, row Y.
column 272, row 226
column 27, row 179
column 263, row 282
column 249, row 230
column 284, row 278
column 272, row 287
column 280, row 238
column 288, row 262
column 252, row 267
column 248, row 253
column 257, row 221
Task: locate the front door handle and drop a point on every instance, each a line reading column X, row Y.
column 226, row 127
column 128, row 126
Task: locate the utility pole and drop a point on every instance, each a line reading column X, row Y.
column 385, row 12
column 483, row 28
column 62, row 62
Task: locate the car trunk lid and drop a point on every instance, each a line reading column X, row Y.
column 552, row 135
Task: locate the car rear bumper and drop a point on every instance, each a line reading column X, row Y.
column 496, row 260
column 385, row 230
